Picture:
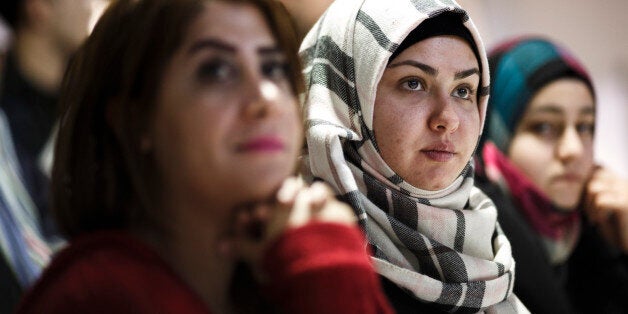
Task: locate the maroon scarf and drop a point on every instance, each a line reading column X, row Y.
column 559, row 230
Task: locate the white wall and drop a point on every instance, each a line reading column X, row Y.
column 596, row 32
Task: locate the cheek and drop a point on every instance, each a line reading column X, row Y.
column 471, row 131
column 390, row 136
column 182, row 137
column 293, row 126
column 531, row 156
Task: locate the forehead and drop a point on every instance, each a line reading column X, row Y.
column 238, row 24
column 563, row 96
column 445, row 50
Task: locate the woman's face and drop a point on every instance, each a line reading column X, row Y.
column 553, row 143
column 227, row 129
column 426, row 118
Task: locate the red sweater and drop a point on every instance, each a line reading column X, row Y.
column 319, row 268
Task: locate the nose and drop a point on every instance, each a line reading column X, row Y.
column 444, row 117
column 570, row 145
column 259, row 96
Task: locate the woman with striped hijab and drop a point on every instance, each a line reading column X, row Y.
column 396, row 94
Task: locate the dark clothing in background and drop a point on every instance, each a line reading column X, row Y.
column 32, row 114
column 10, row 289
column 593, row 280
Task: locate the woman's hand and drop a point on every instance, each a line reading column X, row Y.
column 295, row 206
column 606, row 205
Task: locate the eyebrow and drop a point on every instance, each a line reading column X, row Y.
column 211, row 44
column 434, row 72
column 466, row 73
column 424, row 67
column 271, row 50
column 222, row 46
column 557, row 110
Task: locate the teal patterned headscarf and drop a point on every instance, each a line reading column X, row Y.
column 519, row 68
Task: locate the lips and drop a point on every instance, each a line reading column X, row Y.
column 569, row 177
column 440, row 152
column 262, row 144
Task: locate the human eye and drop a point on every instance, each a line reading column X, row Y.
column 585, row 128
column 463, row 92
column 412, row 84
column 216, row 71
column 545, row 129
column 275, row 69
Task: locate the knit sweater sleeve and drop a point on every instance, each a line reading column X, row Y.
column 324, row 268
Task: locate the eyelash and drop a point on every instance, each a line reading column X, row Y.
column 215, row 71
column 552, row 130
column 470, row 91
column 405, row 84
column 222, row 71
column 269, row 69
column 419, row 82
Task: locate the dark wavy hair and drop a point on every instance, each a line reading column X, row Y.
column 101, row 178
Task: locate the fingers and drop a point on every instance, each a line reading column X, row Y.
column 606, row 205
column 320, row 193
column 606, row 193
column 324, row 206
column 289, row 190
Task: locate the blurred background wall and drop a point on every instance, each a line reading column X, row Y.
column 596, row 32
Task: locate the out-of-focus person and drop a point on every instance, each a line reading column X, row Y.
column 567, row 220
column 40, row 39
column 45, row 34
column 173, row 173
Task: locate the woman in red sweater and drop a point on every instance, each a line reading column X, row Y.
column 179, row 134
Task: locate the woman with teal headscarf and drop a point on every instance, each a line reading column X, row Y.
column 563, row 215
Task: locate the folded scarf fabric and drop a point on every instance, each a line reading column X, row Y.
column 445, row 247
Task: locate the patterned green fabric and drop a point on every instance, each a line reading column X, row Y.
column 519, row 68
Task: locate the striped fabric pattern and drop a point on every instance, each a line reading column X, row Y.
column 444, row 247
column 21, row 238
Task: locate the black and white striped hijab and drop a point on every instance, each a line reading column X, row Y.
column 443, row 246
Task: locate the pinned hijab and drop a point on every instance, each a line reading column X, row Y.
column 444, row 247
column 520, row 68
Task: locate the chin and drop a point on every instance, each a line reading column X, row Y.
column 262, row 185
column 566, row 199
column 566, row 204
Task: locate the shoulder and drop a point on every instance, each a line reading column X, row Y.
column 109, row 272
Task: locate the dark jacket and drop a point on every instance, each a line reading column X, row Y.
column 10, row 290
column 593, row 280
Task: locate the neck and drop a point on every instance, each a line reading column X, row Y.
column 41, row 62
column 190, row 246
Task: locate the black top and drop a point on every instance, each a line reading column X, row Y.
column 593, row 280
column 10, row 290
column 31, row 114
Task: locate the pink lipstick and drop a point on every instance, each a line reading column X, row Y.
column 263, row 144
